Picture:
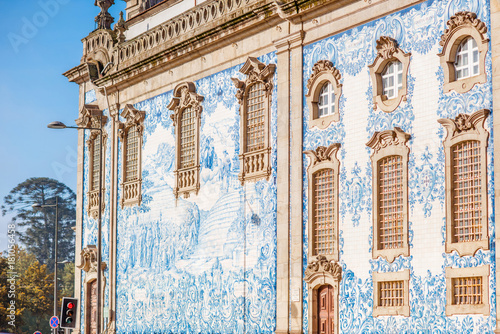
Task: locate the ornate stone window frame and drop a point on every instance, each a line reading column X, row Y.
column 384, row 144
column 187, row 180
column 92, row 117
column 320, row 159
column 88, row 263
column 459, row 27
column 255, row 165
column 131, row 190
column 388, row 51
column 320, row 272
column 454, row 273
column 378, row 278
column 323, row 72
column 464, row 128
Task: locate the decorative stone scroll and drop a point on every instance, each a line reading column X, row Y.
column 322, row 266
column 88, row 260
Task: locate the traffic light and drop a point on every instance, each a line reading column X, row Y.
column 68, row 312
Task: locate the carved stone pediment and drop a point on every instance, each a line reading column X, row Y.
column 321, row 67
column 185, row 96
column 91, row 117
column 460, row 19
column 323, row 153
column 321, row 265
column 464, row 123
column 255, row 71
column 132, row 117
column 386, row 47
column 88, row 259
column 396, row 137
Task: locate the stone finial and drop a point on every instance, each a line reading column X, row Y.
column 104, row 19
column 120, row 28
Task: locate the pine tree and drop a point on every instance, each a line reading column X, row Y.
column 35, row 227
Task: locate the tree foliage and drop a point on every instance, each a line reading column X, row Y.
column 36, row 226
column 32, row 294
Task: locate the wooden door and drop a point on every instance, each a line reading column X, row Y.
column 326, row 310
column 91, row 325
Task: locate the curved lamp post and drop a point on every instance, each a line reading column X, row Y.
column 41, row 206
column 60, row 125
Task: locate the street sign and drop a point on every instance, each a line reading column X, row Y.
column 37, row 332
column 54, row 322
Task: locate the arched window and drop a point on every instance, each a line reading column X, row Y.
column 326, row 101
column 463, row 56
column 254, row 96
column 467, row 59
column 392, row 79
column 323, row 94
column 186, row 104
column 389, row 73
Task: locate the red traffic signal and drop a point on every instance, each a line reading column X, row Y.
column 68, row 312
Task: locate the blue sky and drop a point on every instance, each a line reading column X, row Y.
column 39, row 40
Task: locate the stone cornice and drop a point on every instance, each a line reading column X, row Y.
column 169, row 44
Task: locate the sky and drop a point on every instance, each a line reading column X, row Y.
column 40, row 40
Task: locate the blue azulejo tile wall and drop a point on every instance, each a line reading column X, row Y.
column 418, row 31
column 206, row 263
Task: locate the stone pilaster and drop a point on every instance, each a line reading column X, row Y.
column 495, row 53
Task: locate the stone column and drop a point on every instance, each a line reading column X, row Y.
column 114, row 112
column 296, row 200
column 283, row 186
column 495, row 55
column 79, row 208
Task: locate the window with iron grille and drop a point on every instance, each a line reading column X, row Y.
column 465, row 148
column 390, row 202
column 131, row 165
column 390, row 193
column 254, row 96
column 96, row 162
column 467, row 290
column 130, row 134
column 255, row 122
column 467, row 191
column 188, row 138
column 324, row 212
column 391, row 292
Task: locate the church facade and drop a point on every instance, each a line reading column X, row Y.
column 289, row 167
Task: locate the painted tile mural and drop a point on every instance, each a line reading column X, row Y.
column 418, row 30
column 206, row 263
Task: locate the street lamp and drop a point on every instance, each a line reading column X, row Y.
column 60, row 125
column 40, row 206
